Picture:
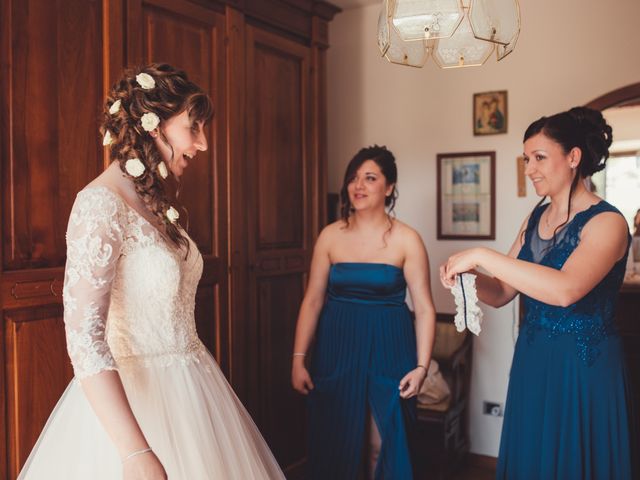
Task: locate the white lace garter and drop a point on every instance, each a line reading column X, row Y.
column 468, row 313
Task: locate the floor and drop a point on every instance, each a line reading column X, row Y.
column 476, row 473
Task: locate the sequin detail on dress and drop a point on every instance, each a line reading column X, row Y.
column 590, row 319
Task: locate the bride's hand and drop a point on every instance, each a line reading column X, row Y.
column 300, row 378
column 144, row 467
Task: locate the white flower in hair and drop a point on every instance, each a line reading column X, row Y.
column 145, row 80
column 150, row 121
column 134, row 167
column 172, row 215
column 115, row 107
column 162, row 170
column 107, row 140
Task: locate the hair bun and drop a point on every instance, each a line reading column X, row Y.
column 598, row 136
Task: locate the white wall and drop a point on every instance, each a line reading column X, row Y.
column 569, row 53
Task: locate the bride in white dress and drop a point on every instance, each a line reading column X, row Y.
column 148, row 401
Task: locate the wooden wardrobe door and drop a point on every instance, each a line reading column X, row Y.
column 50, row 99
column 191, row 37
column 279, row 200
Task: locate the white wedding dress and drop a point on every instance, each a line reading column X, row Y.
column 129, row 306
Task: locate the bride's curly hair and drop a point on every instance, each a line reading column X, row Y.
column 172, row 94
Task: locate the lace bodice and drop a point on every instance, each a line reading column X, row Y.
column 590, row 319
column 129, row 296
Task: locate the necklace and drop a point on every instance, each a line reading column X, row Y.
column 546, row 220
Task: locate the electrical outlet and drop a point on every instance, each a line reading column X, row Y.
column 492, row 408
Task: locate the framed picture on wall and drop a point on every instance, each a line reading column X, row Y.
column 490, row 113
column 466, row 196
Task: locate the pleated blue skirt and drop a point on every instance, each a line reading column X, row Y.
column 362, row 352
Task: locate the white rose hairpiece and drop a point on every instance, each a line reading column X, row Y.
column 134, row 167
column 172, row 215
column 107, row 140
column 162, row 170
column 150, row 121
column 115, row 107
column 145, row 80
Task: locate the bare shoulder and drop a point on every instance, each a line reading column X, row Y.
column 330, row 233
column 111, row 178
column 333, row 229
column 407, row 234
column 408, row 237
column 606, row 224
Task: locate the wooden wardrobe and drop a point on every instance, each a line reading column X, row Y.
column 256, row 198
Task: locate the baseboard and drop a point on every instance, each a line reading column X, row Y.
column 482, row 461
column 297, row 471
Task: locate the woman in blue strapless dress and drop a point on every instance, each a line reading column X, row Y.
column 370, row 357
column 567, row 414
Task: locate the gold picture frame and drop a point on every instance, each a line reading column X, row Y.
column 490, row 113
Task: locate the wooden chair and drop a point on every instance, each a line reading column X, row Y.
column 441, row 439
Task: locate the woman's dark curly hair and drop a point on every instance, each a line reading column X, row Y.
column 579, row 127
column 387, row 163
column 172, row 94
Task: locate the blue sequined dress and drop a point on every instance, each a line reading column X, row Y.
column 566, row 416
column 365, row 344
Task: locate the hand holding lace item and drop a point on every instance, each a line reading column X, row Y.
column 468, row 313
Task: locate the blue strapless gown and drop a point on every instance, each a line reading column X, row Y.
column 566, row 415
column 365, row 344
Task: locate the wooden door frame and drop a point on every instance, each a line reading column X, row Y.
column 625, row 96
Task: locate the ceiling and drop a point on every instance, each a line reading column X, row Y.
column 345, row 4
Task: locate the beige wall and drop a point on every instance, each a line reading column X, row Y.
column 568, row 53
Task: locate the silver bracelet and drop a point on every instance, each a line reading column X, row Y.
column 137, row 452
column 297, row 354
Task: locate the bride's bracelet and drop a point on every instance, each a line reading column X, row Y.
column 136, row 453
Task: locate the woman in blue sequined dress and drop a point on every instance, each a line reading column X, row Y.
column 566, row 416
column 370, row 357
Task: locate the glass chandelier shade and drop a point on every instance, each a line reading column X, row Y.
column 457, row 33
column 462, row 49
column 426, row 19
column 494, row 20
column 393, row 48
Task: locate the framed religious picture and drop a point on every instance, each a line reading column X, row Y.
column 490, row 113
column 466, row 196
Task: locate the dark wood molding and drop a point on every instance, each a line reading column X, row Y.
column 483, row 461
column 236, row 152
column 289, row 17
column 6, row 140
column 325, row 10
column 615, row 98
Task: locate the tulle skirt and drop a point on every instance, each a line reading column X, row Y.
column 189, row 414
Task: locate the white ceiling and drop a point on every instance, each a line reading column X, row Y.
column 345, row 4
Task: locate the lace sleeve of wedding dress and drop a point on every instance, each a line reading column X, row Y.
column 94, row 241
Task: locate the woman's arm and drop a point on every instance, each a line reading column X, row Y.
column 310, row 311
column 416, row 273
column 109, row 401
column 603, row 242
column 492, row 290
column 94, row 242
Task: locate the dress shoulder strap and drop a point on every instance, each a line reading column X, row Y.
column 534, row 218
column 583, row 217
